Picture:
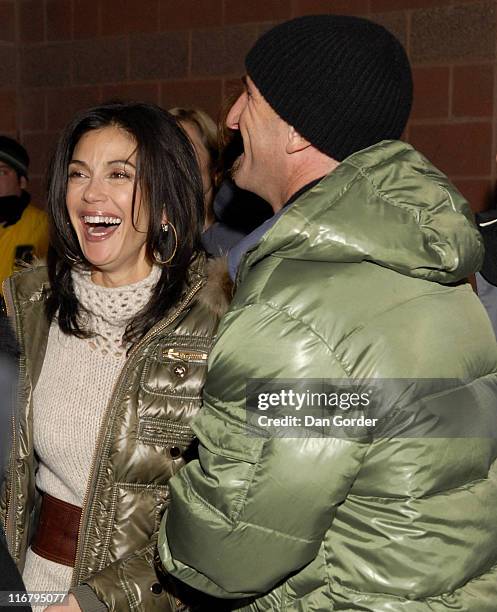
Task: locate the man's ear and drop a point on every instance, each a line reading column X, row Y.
column 295, row 141
column 23, row 182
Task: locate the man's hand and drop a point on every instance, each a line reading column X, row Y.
column 70, row 605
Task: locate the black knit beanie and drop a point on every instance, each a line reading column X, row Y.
column 344, row 83
column 15, row 155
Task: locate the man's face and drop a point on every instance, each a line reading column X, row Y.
column 259, row 168
column 10, row 184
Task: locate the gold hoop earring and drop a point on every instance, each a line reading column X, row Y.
column 73, row 260
column 165, row 228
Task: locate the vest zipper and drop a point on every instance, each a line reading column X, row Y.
column 104, row 440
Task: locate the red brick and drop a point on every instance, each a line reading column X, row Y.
column 221, row 51
column 47, row 65
column 86, row 19
column 478, row 192
column 59, row 19
column 33, row 107
column 7, row 65
column 7, row 22
column 102, row 60
column 262, row 28
column 395, row 5
column 40, row 147
column 75, row 99
column 339, row 7
column 458, row 149
column 205, row 95
column 232, row 88
column 126, row 16
column 37, row 190
column 32, row 21
column 8, row 110
column 186, row 14
column 158, row 56
column 136, row 92
column 454, row 32
column 473, row 91
column 396, row 23
column 256, row 10
column 431, row 93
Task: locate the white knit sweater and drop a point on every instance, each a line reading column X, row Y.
column 74, row 388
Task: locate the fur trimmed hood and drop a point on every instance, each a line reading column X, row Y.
column 217, row 292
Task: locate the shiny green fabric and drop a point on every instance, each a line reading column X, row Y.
column 143, row 441
column 362, row 277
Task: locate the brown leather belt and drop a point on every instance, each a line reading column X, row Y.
column 57, row 535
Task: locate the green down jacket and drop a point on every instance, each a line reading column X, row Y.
column 360, row 278
column 144, row 439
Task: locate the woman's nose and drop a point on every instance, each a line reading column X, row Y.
column 94, row 190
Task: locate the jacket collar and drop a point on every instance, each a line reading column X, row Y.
column 386, row 205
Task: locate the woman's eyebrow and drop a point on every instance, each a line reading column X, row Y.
column 125, row 162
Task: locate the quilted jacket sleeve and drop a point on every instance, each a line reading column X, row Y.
column 253, row 509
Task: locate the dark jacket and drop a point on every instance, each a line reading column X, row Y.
column 10, row 579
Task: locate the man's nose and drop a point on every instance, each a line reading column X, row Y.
column 233, row 118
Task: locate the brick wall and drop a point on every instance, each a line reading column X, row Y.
column 57, row 56
column 8, row 68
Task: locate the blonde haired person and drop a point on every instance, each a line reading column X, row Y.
column 202, row 132
column 220, row 231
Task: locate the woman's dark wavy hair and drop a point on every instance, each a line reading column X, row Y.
column 169, row 179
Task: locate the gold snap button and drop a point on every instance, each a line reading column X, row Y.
column 180, row 371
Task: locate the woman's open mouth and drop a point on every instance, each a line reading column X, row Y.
column 98, row 227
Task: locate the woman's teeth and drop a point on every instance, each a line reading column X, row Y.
column 100, row 220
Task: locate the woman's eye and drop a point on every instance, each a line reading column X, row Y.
column 120, row 174
column 75, row 174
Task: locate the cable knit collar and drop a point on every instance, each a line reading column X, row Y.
column 108, row 310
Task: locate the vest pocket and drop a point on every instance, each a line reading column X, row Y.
column 165, row 432
column 135, row 515
column 177, row 368
column 175, row 438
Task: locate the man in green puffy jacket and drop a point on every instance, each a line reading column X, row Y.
column 359, row 276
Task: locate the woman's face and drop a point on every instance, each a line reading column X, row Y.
column 99, row 199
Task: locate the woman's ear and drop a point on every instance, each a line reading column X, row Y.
column 295, row 141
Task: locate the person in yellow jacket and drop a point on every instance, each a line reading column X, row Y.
column 23, row 226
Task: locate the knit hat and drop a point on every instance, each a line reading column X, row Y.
column 344, row 83
column 15, row 155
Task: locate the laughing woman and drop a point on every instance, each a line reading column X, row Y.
column 114, row 340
